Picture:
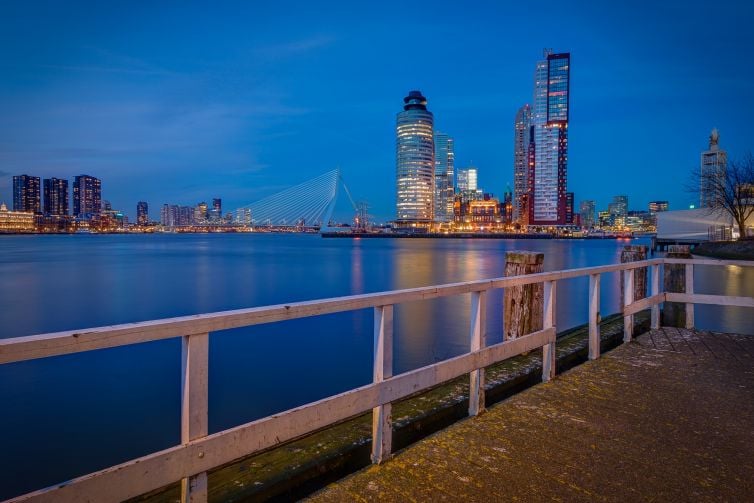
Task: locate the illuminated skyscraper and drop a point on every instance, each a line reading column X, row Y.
column 26, row 194
column 87, row 196
column 713, row 166
column 547, row 174
column 55, row 196
column 444, row 177
column 467, row 179
column 521, row 141
column 142, row 213
column 415, row 163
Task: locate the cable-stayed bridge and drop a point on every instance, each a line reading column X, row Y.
column 308, row 205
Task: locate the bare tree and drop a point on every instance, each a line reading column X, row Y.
column 730, row 190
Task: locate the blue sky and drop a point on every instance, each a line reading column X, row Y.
column 182, row 102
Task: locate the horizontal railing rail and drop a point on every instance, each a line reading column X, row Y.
column 200, row 451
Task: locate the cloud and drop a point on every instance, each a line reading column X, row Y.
column 295, row 47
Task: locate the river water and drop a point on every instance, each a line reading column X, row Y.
column 70, row 415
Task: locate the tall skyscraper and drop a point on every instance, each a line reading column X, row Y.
column 142, row 213
column 444, row 177
column 55, row 196
column 586, row 211
column 87, row 196
column 547, row 174
column 415, row 162
column 26, row 194
column 521, row 141
column 714, row 163
column 467, row 179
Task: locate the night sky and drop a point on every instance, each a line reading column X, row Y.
column 180, row 104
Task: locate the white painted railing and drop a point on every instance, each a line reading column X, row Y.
column 200, row 452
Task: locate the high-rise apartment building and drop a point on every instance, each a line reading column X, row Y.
column 548, row 172
column 55, row 196
column 415, row 163
column 26, row 194
column 522, row 134
column 142, row 213
column 587, row 212
column 712, row 172
column 444, row 177
column 87, row 196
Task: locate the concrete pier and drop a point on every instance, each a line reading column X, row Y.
column 667, row 418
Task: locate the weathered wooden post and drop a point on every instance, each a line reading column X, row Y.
column 194, row 407
column 633, row 284
column 522, row 305
column 382, row 415
column 477, row 339
column 635, row 253
column 674, row 280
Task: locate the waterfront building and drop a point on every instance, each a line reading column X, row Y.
column 549, row 146
column 200, row 213
column 444, row 177
column 658, row 206
column 185, row 215
column 87, row 196
column 569, row 208
column 55, row 197
column 521, row 141
column 467, row 179
column 712, row 171
column 604, row 219
column 216, row 213
column 587, row 213
column 619, row 206
column 415, row 163
column 26, row 194
column 142, row 213
column 16, row 221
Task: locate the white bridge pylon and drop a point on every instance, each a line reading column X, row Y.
column 308, row 204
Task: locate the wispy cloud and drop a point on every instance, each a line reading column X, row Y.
column 295, row 47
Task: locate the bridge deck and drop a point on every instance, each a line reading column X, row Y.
column 669, row 417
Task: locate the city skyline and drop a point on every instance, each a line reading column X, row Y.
column 120, row 101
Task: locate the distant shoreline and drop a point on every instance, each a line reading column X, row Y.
column 465, row 235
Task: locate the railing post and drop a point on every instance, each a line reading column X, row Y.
column 654, row 290
column 548, row 321
column 194, row 407
column 382, row 421
column 628, row 298
column 477, row 342
column 689, row 291
column 594, row 316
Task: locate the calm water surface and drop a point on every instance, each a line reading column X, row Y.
column 74, row 414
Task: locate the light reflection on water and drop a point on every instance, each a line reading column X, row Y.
column 52, row 283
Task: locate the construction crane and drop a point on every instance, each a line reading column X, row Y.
column 361, row 219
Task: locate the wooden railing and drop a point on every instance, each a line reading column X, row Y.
column 200, row 452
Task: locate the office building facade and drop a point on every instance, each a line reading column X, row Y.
column 522, row 135
column 444, row 177
column 415, row 163
column 587, row 213
column 26, row 194
column 142, row 213
column 548, row 171
column 713, row 165
column 55, row 197
column 87, row 196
